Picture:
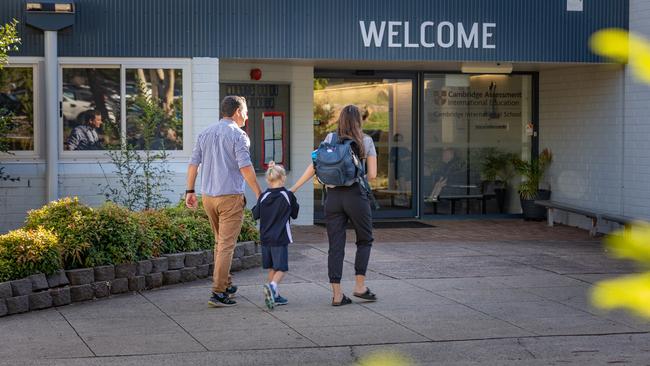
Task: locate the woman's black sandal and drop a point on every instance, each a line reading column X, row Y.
column 368, row 295
column 344, row 301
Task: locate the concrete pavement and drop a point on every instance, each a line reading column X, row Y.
column 489, row 300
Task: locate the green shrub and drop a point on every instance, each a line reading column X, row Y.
column 165, row 236
column 118, row 236
column 249, row 230
column 72, row 222
column 24, row 252
column 196, row 231
column 113, row 234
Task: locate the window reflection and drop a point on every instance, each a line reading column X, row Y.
column 387, row 107
column 154, row 102
column 473, row 126
column 91, row 108
column 17, row 107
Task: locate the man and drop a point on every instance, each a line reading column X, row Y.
column 449, row 175
column 85, row 137
column 222, row 150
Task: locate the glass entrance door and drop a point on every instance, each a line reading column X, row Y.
column 472, row 126
column 387, row 106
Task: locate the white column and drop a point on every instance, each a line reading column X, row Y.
column 51, row 115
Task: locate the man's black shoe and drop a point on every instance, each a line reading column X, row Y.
column 231, row 290
column 219, row 300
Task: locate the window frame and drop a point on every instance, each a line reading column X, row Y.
column 29, row 155
column 123, row 64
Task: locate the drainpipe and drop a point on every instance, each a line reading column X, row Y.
column 51, row 116
column 50, row 16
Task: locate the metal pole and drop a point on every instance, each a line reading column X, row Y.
column 51, row 116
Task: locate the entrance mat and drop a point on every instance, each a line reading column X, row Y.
column 391, row 225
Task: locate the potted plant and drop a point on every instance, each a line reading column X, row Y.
column 532, row 172
column 497, row 171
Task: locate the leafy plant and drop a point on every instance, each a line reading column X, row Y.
column 164, row 236
column 196, row 231
column 72, row 222
column 24, row 252
column 9, row 41
column 143, row 176
column 249, row 231
column 118, row 236
column 496, row 165
column 533, row 173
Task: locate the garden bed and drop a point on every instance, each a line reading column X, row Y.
column 69, row 252
column 63, row 287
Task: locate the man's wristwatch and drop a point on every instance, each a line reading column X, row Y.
column 189, row 191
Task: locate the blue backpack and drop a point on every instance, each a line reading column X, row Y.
column 336, row 164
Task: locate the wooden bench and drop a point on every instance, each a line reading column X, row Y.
column 551, row 206
column 482, row 198
column 626, row 221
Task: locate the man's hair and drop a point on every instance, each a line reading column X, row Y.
column 230, row 104
column 91, row 114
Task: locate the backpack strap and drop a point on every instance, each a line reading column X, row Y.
column 363, row 182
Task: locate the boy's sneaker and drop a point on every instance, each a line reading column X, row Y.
column 231, row 290
column 269, row 296
column 221, row 300
column 279, row 300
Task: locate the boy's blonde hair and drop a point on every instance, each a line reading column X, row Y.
column 275, row 173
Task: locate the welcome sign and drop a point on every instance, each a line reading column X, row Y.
column 427, row 34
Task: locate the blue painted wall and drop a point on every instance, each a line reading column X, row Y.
column 526, row 31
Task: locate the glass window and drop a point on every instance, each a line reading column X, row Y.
column 154, row 108
column 17, row 107
column 91, row 108
column 268, row 120
column 387, row 107
column 469, row 120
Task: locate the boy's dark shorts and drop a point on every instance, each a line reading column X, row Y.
column 276, row 258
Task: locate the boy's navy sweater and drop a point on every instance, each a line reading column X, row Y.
column 274, row 208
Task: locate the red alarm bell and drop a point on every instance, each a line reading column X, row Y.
column 256, row 74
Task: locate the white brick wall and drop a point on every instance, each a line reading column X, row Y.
column 595, row 118
column 16, row 198
column 636, row 167
column 301, row 79
column 581, row 121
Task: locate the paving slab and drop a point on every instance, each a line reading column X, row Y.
column 277, row 336
column 360, row 334
column 40, row 334
column 470, row 293
column 143, row 344
column 127, row 305
column 573, row 325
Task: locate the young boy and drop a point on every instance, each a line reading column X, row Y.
column 274, row 209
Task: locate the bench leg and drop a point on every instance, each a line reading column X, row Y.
column 549, row 217
column 594, row 227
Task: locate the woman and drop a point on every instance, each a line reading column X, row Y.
column 348, row 203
